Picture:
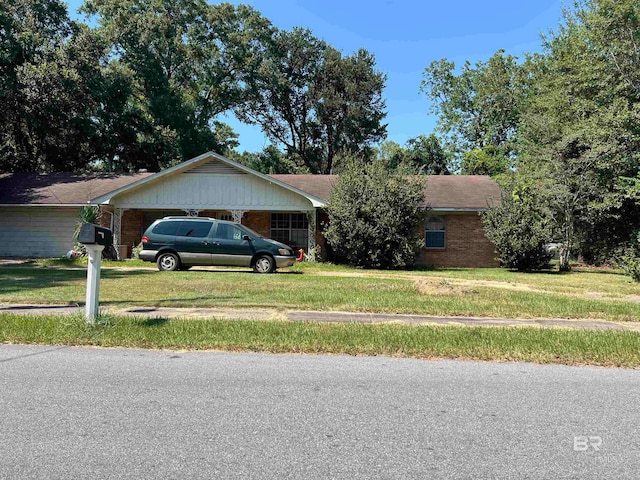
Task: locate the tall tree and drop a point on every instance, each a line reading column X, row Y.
column 49, row 73
column 580, row 131
column 269, row 161
column 315, row 102
column 186, row 61
column 347, row 99
column 279, row 99
column 481, row 105
column 423, row 154
column 427, row 155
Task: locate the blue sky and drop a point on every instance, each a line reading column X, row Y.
column 405, row 36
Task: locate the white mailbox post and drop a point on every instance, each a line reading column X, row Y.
column 95, row 239
column 93, row 282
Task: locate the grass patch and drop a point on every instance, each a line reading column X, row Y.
column 457, row 292
column 540, row 345
column 82, row 262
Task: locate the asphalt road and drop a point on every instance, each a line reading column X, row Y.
column 97, row 413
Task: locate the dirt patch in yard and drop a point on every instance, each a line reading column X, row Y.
column 495, row 284
column 440, row 287
column 445, row 286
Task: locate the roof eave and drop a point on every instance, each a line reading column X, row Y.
column 449, row 209
column 31, row 205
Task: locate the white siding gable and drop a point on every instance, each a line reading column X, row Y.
column 213, row 185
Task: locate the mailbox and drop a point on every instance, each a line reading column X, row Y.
column 91, row 234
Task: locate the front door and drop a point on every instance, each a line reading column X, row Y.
column 229, row 248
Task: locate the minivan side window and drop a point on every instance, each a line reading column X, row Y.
column 229, row 232
column 166, row 228
column 194, row 228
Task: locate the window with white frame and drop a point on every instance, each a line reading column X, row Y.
column 290, row 228
column 435, row 231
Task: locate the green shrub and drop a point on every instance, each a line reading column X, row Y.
column 628, row 257
column 521, row 231
column 375, row 216
column 88, row 214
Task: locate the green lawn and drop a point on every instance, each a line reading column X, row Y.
column 467, row 292
column 574, row 347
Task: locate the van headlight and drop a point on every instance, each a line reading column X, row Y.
column 285, row 251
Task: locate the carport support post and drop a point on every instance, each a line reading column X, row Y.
column 93, row 282
column 117, row 230
column 311, row 220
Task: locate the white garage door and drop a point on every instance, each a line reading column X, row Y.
column 37, row 231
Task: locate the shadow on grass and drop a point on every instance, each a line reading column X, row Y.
column 599, row 271
column 244, row 271
column 154, row 322
column 27, row 278
column 148, row 306
column 52, row 308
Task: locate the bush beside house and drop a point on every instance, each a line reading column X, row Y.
column 375, row 216
column 521, row 231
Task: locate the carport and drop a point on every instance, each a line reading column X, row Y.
column 213, row 186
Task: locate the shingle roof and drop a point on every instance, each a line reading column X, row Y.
column 59, row 188
column 319, row 186
column 472, row 192
column 463, row 192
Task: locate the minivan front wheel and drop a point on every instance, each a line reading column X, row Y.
column 168, row 262
column 264, row 264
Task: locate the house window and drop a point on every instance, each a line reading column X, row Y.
column 290, row 228
column 435, row 232
column 226, row 216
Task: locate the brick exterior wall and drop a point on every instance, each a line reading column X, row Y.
column 131, row 229
column 105, row 217
column 260, row 222
column 466, row 244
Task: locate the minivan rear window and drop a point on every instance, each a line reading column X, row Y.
column 194, row 228
column 166, row 228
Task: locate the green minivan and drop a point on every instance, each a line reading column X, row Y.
column 179, row 243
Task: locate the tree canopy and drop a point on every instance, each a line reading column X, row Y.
column 565, row 119
column 314, row 101
column 424, row 154
column 480, row 106
column 579, row 132
column 147, row 85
